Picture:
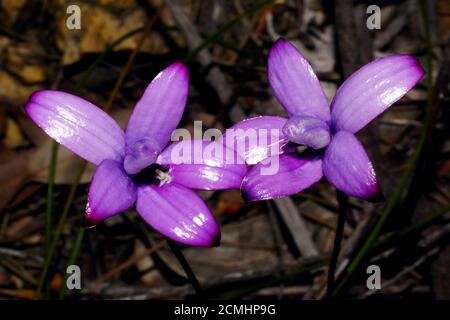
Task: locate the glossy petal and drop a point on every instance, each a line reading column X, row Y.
column 256, row 138
column 372, row 89
column 208, row 166
column 309, row 131
column 294, row 174
column 179, row 214
column 77, row 124
column 159, row 110
column 294, row 82
column 111, row 191
column 347, row 166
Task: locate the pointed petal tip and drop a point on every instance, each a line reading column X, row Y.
column 180, row 67
column 419, row 71
column 347, row 166
column 377, row 196
column 89, row 218
column 372, row 89
column 214, row 241
column 206, row 239
column 111, row 191
column 179, row 214
column 294, row 83
column 33, row 100
column 280, row 43
column 89, row 222
column 161, row 106
column 77, row 124
column 210, row 238
column 373, row 194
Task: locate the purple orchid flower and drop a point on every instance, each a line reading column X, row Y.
column 127, row 167
column 328, row 132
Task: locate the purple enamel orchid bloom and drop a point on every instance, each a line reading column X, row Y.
column 328, row 132
column 129, row 166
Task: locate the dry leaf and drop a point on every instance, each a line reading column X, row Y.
column 235, row 253
column 14, row 137
column 13, row 173
column 66, row 168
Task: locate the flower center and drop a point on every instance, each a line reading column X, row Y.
column 153, row 174
column 307, row 130
column 140, row 154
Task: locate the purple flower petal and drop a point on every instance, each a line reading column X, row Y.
column 111, row 191
column 156, row 115
column 294, row 82
column 308, row 131
column 179, row 214
column 204, row 165
column 77, row 124
column 372, row 89
column 256, row 138
column 294, row 174
column 347, row 166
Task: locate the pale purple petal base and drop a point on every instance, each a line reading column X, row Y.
column 294, row 174
column 203, row 165
column 203, row 177
column 179, row 214
column 257, row 138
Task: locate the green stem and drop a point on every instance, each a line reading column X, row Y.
column 50, row 188
column 59, row 229
column 72, row 257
